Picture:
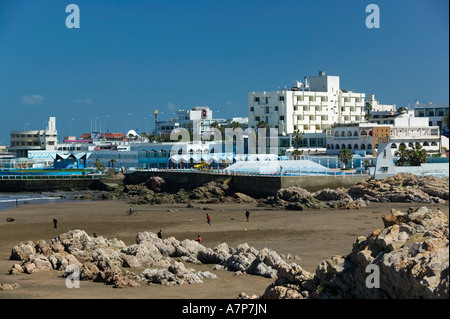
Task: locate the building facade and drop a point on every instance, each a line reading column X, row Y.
column 309, row 107
column 363, row 138
column 435, row 114
column 23, row 141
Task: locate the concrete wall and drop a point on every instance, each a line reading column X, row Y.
column 46, row 185
column 255, row 186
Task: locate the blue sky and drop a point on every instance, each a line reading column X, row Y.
column 130, row 57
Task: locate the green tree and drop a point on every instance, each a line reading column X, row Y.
column 345, row 155
column 417, row 155
column 296, row 154
column 112, row 162
column 98, row 165
column 235, row 125
column 446, row 120
column 403, row 155
column 263, row 124
column 297, row 137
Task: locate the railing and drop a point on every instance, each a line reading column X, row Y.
column 276, row 174
column 51, row 177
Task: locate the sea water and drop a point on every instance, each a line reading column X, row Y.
column 11, row 200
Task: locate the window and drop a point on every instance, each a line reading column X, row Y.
column 257, row 118
column 267, row 109
column 267, row 99
column 281, row 118
column 256, row 99
column 252, row 109
column 281, row 98
column 276, row 108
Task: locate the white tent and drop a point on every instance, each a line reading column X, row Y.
column 273, row 167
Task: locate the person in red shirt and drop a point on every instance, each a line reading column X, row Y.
column 199, row 239
column 208, row 219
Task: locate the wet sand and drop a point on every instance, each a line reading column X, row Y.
column 311, row 235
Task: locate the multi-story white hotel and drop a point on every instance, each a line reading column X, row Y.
column 309, row 107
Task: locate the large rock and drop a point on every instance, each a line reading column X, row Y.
column 411, row 254
column 22, row 251
column 156, row 184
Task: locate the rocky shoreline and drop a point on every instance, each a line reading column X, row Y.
column 403, row 187
column 411, row 254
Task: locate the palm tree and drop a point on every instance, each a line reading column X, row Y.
column 418, row 155
column 235, row 125
column 403, row 155
column 297, row 154
column 263, row 124
column 345, row 156
column 297, row 136
column 98, row 165
column 112, row 162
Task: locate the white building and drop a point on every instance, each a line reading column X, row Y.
column 309, row 107
column 373, row 105
column 434, row 112
column 23, row 141
column 363, row 138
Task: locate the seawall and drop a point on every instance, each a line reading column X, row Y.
column 255, row 186
column 48, row 185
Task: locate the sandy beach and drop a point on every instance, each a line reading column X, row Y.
column 311, row 235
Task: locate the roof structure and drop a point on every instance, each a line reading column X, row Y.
column 274, row 167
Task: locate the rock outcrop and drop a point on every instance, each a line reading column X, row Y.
column 409, row 258
column 151, row 260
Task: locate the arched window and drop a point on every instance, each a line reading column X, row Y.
column 355, row 133
column 410, row 144
column 342, row 133
column 349, row 146
column 433, row 143
column 418, row 144
column 393, row 145
column 349, row 133
column 337, row 146
column 343, row 146
column 402, row 144
column 363, row 146
column 328, row 146
column 355, row 146
column 426, row 144
column 369, row 146
column 332, row 146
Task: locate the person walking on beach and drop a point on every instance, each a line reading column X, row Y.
column 247, row 214
column 199, row 239
column 55, row 226
column 208, row 219
column 160, row 234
